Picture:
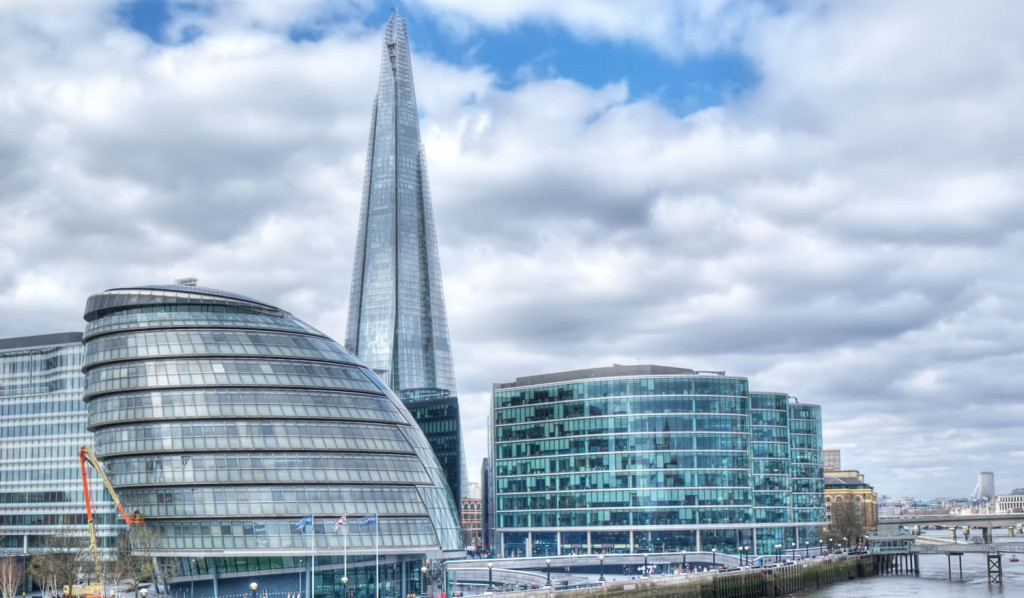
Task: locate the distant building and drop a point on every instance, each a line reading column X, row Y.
column 1009, row 503
column 650, row 458
column 832, row 460
column 849, row 486
column 487, row 502
column 472, row 523
column 42, row 426
column 986, row 488
column 473, row 491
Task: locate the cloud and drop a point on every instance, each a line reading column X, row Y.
column 847, row 231
column 674, row 29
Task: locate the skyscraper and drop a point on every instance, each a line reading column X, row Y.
column 397, row 323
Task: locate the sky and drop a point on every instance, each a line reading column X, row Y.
column 824, row 197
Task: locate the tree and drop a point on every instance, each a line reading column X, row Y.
column 65, row 561
column 135, row 556
column 11, row 573
column 847, row 521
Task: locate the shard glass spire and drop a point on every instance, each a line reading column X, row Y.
column 396, row 321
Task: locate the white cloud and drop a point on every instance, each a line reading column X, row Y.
column 847, row 231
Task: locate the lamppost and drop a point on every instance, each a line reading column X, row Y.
column 685, row 570
column 778, row 552
column 742, row 550
column 846, row 544
column 714, row 553
column 423, row 582
column 252, row 587
column 548, row 563
column 600, row 559
column 820, row 549
column 143, row 592
column 807, row 548
column 344, row 586
column 647, row 572
column 490, row 576
column 793, row 546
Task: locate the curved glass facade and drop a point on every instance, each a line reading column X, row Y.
column 225, row 421
column 643, row 459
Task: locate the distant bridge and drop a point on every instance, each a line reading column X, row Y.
column 988, row 520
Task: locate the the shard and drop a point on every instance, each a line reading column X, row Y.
column 397, row 323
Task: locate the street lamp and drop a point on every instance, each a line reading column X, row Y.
column 793, row 544
column 143, row 592
column 344, row 586
column 548, row 562
column 714, row 553
column 846, row 543
column 252, row 587
column 778, row 552
column 820, row 550
column 600, row 559
column 807, row 548
column 685, row 570
column 490, row 576
column 647, row 572
column 423, row 581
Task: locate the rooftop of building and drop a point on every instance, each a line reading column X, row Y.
column 614, row 371
column 848, row 478
column 39, row 340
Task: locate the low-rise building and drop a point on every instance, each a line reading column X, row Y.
column 849, row 486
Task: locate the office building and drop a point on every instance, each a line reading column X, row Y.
column 226, row 421
column 42, row 426
column 647, row 458
column 807, row 471
column 397, row 324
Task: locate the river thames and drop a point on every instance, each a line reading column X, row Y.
column 933, row 581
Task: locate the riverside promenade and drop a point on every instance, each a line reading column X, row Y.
column 781, row 580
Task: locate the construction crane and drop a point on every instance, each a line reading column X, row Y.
column 85, row 454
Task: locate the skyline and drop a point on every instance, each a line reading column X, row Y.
column 822, row 198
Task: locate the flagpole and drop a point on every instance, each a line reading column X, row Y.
column 312, row 564
column 376, row 546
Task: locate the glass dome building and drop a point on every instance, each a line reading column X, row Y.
column 225, row 421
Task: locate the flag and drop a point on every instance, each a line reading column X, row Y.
column 369, row 520
column 307, row 520
column 341, row 521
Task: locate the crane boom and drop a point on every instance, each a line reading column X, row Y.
column 85, row 454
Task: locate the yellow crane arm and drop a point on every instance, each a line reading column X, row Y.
column 85, row 454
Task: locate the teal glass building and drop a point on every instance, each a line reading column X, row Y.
column 650, row 458
column 225, row 421
column 397, row 323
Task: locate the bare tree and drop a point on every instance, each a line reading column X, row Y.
column 847, row 521
column 135, row 559
column 11, row 573
column 65, row 561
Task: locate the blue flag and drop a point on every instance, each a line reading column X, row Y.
column 307, row 520
column 369, row 520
